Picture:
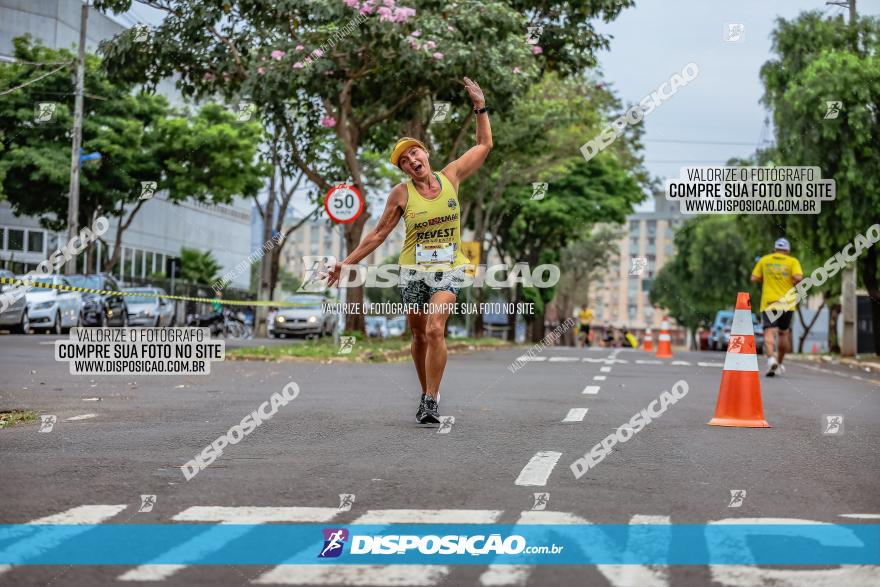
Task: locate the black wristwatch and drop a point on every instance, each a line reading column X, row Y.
column 481, row 110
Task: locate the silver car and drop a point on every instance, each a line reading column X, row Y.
column 306, row 319
column 147, row 310
column 52, row 310
column 15, row 316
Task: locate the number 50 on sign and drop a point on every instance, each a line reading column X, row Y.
column 344, row 203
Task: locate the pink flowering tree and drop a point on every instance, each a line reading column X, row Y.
column 336, row 82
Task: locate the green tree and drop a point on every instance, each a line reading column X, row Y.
column 368, row 73
column 198, row 266
column 207, row 157
column 600, row 191
column 710, row 266
column 819, row 60
column 584, row 261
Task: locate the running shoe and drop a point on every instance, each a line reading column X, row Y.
column 421, row 411
column 772, row 365
column 431, row 415
column 781, row 370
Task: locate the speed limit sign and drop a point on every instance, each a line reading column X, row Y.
column 344, row 203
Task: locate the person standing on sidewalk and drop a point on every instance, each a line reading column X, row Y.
column 777, row 273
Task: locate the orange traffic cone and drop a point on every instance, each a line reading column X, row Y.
column 649, row 341
column 739, row 400
column 664, row 342
column 815, row 348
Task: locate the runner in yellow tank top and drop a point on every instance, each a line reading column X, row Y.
column 431, row 260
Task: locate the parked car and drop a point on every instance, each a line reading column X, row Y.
column 719, row 332
column 147, row 310
column 307, row 319
column 15, row 316
column 52, row 310
column 376, row 326
column 101, row 309
column 397, row 326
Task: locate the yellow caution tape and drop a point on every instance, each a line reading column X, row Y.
column 221, row 301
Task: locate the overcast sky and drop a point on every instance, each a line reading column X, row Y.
column 722, row 105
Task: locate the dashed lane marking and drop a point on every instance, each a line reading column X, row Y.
column 591, row 389
column 538, row 469
column 599, row 378
column 575, row 415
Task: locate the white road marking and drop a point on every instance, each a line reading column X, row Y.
column 84, row 515
column 208, row 542
column 591, row 389
column 707, row 364
column 747, row 575
column 605, row 369
column 861, row 516
column 538, row 469
column 429, row 516
column 563, row 359
column 648, row 362
column 82, row 417
column 293, row 574
column 575, row 415
column 254, row 514
column 685, row 363
column 354, row 575
column 617, row 575
column 526, row 358
column 599, row 378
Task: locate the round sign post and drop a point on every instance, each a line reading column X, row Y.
column 344, row 203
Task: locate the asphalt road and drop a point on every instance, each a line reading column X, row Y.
column 351, row 430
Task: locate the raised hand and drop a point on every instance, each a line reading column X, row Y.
column 474, row 91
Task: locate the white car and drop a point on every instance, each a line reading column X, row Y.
column 147, row 310
column 52, row 310
column 15, row 316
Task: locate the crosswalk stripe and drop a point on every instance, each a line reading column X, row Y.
column 255, row 514
column 575, row 415
column 289, row 574
column 207, row 541
column 538, row 469
column 354, row 575
column 405, row 516
column 599, row 378
column 83, row 515
column 591, row 389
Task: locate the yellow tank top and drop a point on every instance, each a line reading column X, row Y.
column 433, row 229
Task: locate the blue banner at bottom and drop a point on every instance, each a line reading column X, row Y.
column 450, row 544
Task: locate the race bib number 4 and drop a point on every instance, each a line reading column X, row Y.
column 429, row 254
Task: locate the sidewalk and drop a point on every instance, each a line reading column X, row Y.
column 869, row 363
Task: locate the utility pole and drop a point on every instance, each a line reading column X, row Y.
column 73, row 202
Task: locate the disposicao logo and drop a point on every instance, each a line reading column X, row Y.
column 334, row 540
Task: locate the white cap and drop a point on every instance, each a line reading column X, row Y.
column 782, row 244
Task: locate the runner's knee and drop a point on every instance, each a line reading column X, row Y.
column 436, row 332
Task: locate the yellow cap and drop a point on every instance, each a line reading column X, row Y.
column 404, row 144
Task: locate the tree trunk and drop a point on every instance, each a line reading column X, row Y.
column 265, row 292
column 833, row 313
column 512, row 297
column 807, row 327
column 355, row 295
